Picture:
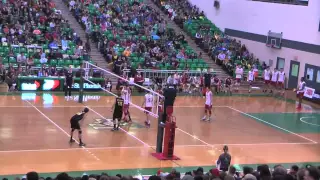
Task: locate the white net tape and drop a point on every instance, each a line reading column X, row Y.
column 153, row 112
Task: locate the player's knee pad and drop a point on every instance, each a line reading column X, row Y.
column 209, row 112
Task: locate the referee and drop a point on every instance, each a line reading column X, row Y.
column 169, row 94
column 68, row 82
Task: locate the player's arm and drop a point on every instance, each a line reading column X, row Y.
column 143, row 103
column 112, row 107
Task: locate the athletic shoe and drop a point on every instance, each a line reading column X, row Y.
column 204, row 118
column 208, row 119
column 147, row 124
column 114, row 129
column 72, row 141
column 82, row 144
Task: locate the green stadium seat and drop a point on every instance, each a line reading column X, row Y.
column 61, row 62
column 53, row 62
column 36, row 61
column 68, row 62
column 12, row 60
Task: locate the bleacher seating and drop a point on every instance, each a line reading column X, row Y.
column 209, row 37
column 134, row 31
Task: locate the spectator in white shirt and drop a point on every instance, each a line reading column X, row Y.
column 21, row 58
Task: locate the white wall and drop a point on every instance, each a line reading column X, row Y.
column 265, row 53
column 298, row 23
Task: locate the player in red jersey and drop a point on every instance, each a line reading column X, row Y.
column 148, row 104
column 207, row 105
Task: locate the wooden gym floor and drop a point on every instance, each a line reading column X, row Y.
column 34, row 134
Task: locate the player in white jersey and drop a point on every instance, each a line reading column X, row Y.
column 239, row 76
column 274, row 79
column 281, row 80
column 250, row 78
column 300, row 91
column 208, row 105
column 126, row 96
column 266, row 76
column 148, row 104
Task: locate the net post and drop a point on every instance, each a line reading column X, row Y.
column 160, row 132
column 81, row 85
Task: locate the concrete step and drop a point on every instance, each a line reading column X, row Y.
column 95, row 55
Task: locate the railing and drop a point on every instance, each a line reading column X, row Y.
column 164, row 74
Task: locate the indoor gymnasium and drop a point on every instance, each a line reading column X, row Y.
column 159, row 89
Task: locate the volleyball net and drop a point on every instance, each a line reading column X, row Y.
column 137, row 89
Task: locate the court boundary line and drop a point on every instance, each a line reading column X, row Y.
column 278, row 127
column 59, row 106
column 138, row 147
column 128, row 133
column 60, row 128
column 313, row 124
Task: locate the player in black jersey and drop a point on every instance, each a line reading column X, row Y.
column 75, row 125
column 117, row 112
column 68, row 82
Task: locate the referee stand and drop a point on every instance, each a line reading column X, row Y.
column 169, row 128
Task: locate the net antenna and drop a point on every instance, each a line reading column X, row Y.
column 155, row 108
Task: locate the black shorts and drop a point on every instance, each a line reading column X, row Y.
column 117, row 116
column 75, row 125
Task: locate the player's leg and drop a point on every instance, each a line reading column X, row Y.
column 71, row 135
column 65, row 90
column 300, row 96
column 265, row 86
column 115, row 121
column 80, row 137
column 128, row 113
column 209, row 112
column 68, row 89
column 205, row 112
column 147, row 122
column 125, row 112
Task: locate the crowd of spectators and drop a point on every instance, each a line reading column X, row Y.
column 132, row 35
column 262, row 172
column 225, row 51
column 35, row 39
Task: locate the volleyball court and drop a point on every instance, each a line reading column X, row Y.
column 132, row 88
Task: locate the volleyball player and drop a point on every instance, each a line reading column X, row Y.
column 239, row 74
column 281, row 80
column 266, row 75
column 250, row 78
column 148, row 104
column 126, row 95
column 208, row 105
column 75, row 125
column 300, row 91
column 117, row 109
column 274, row 80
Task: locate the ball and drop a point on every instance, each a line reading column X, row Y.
column 294, row 90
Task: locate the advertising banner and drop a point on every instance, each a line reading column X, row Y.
column 55, row 84
column 40, row 85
